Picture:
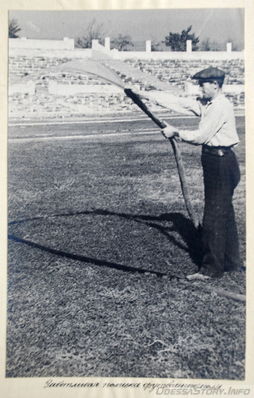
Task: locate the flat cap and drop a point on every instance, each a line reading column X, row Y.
column 210, row 74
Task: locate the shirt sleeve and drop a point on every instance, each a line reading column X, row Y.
column 211, row 123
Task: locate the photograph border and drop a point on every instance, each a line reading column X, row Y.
column 35, row 387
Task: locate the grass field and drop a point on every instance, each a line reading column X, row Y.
column 98, row 229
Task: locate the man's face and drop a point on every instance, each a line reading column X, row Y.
column 208, row 89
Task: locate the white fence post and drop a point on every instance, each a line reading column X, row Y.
column 148, row 46
column 107, row 43
column 229, row 47
column 189, row 46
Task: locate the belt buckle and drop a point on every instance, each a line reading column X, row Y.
column 220, row 152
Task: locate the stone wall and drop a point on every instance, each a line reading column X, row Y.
column 77, row 96
column 170, row 55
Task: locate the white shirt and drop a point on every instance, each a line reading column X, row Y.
column 217, row 124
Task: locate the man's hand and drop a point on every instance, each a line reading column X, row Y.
column 169, row 131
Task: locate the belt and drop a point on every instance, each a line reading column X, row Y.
column 216, row 150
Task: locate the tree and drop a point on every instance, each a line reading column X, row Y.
column 94, row 31
column 177, row 41
column 14, row 28
column 122, row 42
column 156, row 46
column 208, row 45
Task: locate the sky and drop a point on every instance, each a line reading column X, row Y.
column 217, row 24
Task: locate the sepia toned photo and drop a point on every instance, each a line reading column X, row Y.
column 126, row 194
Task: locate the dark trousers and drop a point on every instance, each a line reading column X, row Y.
column 219, row 233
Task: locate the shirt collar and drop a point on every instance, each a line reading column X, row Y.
column 217, row 98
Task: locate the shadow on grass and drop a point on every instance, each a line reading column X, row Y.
column 89, row 260
column 179, row 223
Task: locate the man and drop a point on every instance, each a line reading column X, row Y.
column 217, row 134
